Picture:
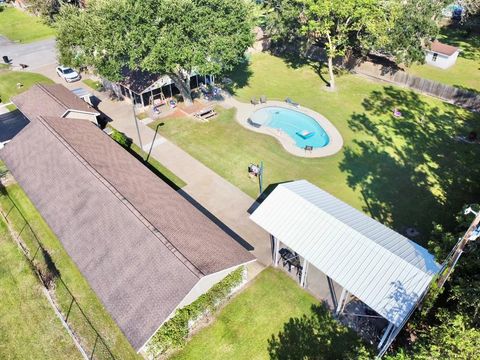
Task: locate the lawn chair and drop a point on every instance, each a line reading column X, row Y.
column 254, row 101
column 263, row 99
column 291, row 102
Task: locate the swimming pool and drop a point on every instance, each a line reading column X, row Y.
column 303, row 129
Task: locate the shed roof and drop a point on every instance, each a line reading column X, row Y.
column 442, row 48
column 382, row 268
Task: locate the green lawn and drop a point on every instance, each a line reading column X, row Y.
column 29, row 328
column 85, row 296
column 250, row 325
column 403, row 171
column 20, row 26
column 466, row 71
column 10, row 79
column 95, row 85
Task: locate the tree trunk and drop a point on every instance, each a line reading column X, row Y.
column 330, row 72
column 184, row 87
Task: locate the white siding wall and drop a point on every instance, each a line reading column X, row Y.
column 81, row 115
column 442, row 61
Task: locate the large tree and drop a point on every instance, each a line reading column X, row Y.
column 335, row 25
column 174, row 37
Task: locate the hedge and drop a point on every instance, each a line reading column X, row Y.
column 173, row 334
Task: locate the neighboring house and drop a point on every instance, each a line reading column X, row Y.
column 143, row 87
column 143, row 248
column 441, row 55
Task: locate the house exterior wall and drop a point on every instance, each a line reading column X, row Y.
column 203, row 285
column 442, row 61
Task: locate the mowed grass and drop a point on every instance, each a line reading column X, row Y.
column 29, row 328
column 10, row 79
column 466, row 71
column 402, row 171
column 244, row 326
column 20, row 26
column 77, row 284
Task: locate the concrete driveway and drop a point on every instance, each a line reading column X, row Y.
column 36, row 55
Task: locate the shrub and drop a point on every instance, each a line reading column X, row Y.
column 122, row 139
column 173, row 334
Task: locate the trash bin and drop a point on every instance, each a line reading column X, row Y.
column 6, row 59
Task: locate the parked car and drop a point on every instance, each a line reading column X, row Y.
column 68, row 74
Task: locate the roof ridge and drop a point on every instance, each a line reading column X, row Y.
column 370, row 240
column 45, row 90
column 156, row 232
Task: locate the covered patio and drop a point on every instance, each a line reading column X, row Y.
column 387, row 272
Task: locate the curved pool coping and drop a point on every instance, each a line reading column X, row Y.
column 245, row 111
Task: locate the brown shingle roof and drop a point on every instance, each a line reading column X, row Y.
column 442, row 48
column 141, row 246
column 50, row 100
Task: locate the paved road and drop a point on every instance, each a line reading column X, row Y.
column 36, row 55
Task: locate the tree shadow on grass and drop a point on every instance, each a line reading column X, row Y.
column 413, row 169
column 316, row 336
column 239, row 77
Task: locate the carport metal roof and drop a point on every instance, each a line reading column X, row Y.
column 382, row 268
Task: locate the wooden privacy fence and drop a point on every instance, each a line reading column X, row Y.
column 460, row 97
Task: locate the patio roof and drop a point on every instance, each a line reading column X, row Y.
column 382, row 268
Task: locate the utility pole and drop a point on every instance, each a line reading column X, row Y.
column 136, row 124
column 471, row 234
column 260, row 177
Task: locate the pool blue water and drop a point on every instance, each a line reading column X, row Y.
column 291, row 122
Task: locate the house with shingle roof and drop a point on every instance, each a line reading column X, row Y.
column 143, row 248
column 441, row 55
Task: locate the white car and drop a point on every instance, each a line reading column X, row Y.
column 68, row 74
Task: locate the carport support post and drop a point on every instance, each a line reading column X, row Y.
column 275, row 250
column 385, row 335
column 341, row 302
column 303, row 279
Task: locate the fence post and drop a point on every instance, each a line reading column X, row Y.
column 94, row 346
column 34, row 256
column 69, row 308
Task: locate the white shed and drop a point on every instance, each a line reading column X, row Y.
column 377, row 265
column 441, row 55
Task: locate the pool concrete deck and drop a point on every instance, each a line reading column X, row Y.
column 245, row 111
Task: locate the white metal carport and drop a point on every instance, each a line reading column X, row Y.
column 380, row 267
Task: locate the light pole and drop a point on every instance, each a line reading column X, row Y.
column 136, row 124
column 472, row 234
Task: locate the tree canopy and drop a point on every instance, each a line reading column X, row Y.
column 448, row 326
column 400, row 29
column 174, row 37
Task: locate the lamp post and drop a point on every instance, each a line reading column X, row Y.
column 136, row 124
column 260, row 177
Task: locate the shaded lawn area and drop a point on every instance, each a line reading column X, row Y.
column 10, row 79
column 272, row 318
column 29, row 328
column 70, row 274
column 405, row 172
column 20, row 26
column 466, row 71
